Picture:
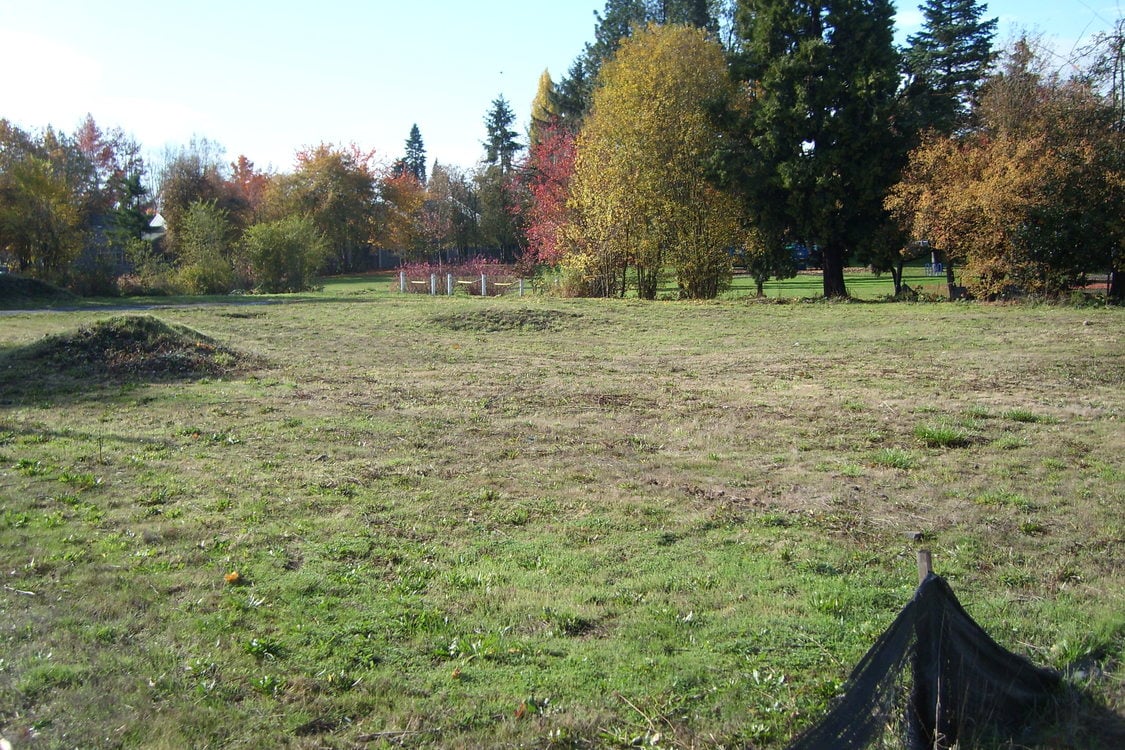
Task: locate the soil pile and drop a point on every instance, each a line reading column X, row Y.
column 126, row 348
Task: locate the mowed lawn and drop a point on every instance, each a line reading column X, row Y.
column 537, row 522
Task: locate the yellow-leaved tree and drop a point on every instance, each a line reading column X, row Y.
column 640, row 195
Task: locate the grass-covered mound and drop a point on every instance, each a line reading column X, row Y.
column 17, row 292
column 492, row 321
column 122, row 348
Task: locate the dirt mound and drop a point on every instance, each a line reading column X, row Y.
column 126, row 347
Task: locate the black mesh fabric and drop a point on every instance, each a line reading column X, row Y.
column 962, row 688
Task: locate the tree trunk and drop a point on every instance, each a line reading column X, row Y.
column 954, row 293
column 896, row 277
column 834, row 271
column 1116, row 290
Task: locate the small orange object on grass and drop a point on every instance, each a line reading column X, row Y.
column 233, row 577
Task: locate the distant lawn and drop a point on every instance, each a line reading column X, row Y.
column 861, row 285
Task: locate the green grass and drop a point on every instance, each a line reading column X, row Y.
column 895, row 458
column 540, row 522
column 942, row 435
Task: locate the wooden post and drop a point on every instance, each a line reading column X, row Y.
column 449, row 284
column 483, row 286
column 433, row 284
column 925, row 565
column 402, row 281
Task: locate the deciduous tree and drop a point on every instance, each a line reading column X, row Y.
column 616, row 23
column 187, row 175
column 549, row 169
column 207, row 265
column 249, row 186
column 453, row 212
column 766, row 257
column 284, row 255
column 401, row 202
column 1034, row 199
column 640, row 189
column 544, row 109
column 336, row 188
column 40, row 225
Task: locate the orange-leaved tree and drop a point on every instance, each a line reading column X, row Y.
column 335, row 186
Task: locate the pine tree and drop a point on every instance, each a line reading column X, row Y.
column 575, row 91
column 501, row 145
column 949, row 59
column 414, row 162
column 817, row 145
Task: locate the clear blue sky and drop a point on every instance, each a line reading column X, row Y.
column 266, row 78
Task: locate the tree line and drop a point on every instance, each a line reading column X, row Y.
column 682, row 139
column 687, row 137
column 78, row 209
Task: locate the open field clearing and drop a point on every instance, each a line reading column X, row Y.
column 376, row 520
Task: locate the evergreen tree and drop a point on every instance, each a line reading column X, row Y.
column 817, row 147
column 698, row 13
column 575, row 92
column 501, row 145
column 948, row 60
column 496, row 183
column 414, row 162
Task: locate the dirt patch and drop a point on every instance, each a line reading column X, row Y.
column 507, row 320
column 126, row 347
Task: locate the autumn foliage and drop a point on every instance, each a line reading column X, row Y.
column 641, row 196
column 1032, row 200
column 549, row 170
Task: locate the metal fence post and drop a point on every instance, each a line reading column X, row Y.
column 402, row 281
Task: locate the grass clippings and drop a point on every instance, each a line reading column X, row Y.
column 122, row 348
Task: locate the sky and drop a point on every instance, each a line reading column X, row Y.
column 265, row 78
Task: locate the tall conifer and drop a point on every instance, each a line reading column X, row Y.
column 414, row 162
column 948, row 60
column 818, row 146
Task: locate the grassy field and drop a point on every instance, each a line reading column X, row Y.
column 404, row 520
